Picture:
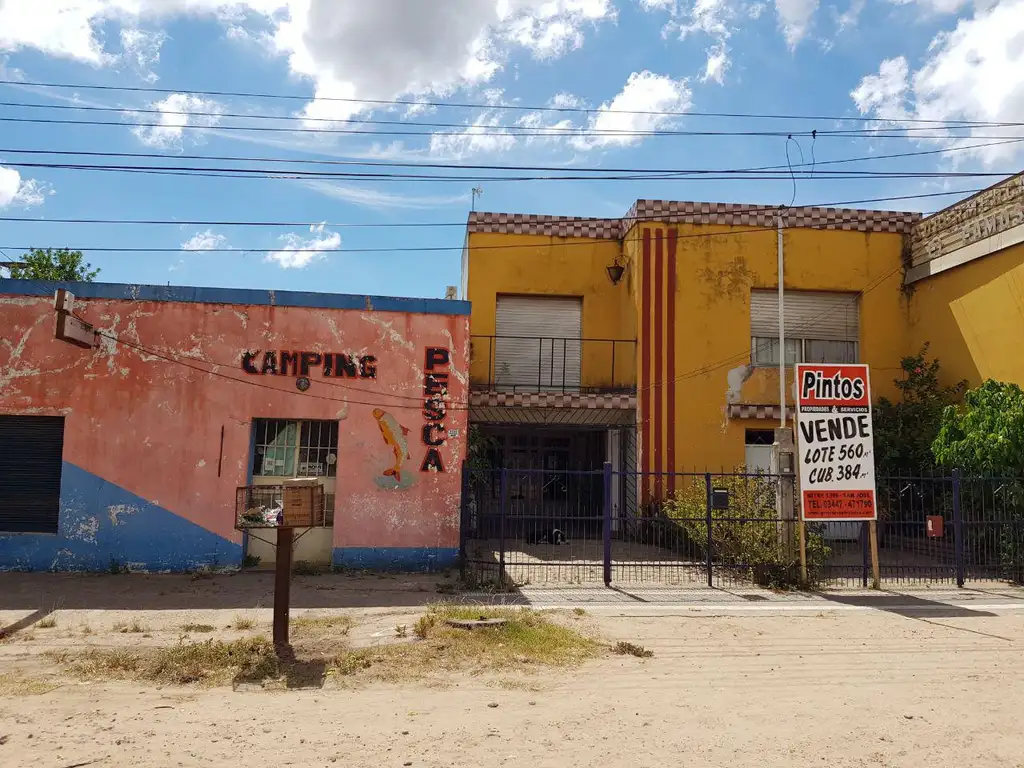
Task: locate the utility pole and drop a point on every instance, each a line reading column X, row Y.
column 782, row 330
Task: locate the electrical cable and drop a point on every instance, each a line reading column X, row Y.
column 482, row 167
column 465, row 105
column 390, row 225
column 531, row 132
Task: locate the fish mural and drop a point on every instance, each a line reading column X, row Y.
column 393, row 434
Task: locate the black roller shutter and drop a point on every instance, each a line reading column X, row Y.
column 31, row 452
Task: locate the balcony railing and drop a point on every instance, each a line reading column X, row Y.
column 550, row 364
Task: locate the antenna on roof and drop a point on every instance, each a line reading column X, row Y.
column 477, row 192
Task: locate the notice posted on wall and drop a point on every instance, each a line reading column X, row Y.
column 835, row 442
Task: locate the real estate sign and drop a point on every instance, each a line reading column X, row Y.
column 837, row 463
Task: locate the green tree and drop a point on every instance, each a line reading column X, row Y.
column 56, row 264
column 987, row 433
column 905, row 430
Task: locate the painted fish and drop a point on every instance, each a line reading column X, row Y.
column 394, row 437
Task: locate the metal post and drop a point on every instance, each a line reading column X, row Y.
column 708, row 521
column 464, row 519
column 503, row 490
column 607, row 524
column 282, row 586
column 958, row 529
column 782, row 333
column 865, row 556
column 564, row 356
column 540, row 362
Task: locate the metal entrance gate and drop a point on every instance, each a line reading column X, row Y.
column 564, row 527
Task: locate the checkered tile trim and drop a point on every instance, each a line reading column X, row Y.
column 733, row 214
column 551, row 226
column 749, row 411
column 551, row 400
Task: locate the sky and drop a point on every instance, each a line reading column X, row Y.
column 567, row 86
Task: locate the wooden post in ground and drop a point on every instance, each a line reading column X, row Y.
column 802, row 532
column 876, row 577
column 282, row 586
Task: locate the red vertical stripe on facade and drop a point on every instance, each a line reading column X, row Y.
column 645, row 366
column 659, row 360
column 670, row 361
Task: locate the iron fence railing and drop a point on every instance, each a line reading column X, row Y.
column 725, row 530
column 552, row 364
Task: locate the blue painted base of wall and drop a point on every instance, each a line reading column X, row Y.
column 102, row 524
column 405, row 559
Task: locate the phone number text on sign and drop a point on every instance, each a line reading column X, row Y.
column 837, row 472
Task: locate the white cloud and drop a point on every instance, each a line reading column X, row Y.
column 482, row 136
column 795, row 17
column 299, row 251
column 718, row 19
column 375, row 50
column 717, row 63
column 207, row 240
column 974, row 72
column 644, row 92
column 23, row 193
column 141, row 50
column 372, row 198
column 176, row 112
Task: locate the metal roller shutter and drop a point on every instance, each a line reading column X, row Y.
column 809, row 315
column 538, row 345
column 31, row 454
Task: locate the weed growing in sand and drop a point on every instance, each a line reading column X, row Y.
column 136, row 627
column 197, row 628
column 402, row 630
column 47, row 622
column 631, row 649
column 525, row 641
column 212, row 662
column 305, row 568
column 243, row 623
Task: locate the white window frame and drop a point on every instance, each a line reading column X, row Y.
column 796, row 351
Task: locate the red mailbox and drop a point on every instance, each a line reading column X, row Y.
column 934, row 525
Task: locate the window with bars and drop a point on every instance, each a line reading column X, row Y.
column 820, row 327
column 284, row 448
column 295, row 448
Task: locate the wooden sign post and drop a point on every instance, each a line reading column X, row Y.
column 836, row 448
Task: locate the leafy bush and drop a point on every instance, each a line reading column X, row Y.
column 748, row 535
column 904, row 430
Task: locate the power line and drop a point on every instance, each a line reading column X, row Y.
column 471, row 130
column 703, row 175
column 476, row 128
column 388, row 225
column 512, row 107
column 491, row 167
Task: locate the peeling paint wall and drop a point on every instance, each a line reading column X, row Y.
column 145, row 481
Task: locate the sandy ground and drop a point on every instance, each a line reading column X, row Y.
column 912, row 681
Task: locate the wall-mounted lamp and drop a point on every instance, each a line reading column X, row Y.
column 615, row 272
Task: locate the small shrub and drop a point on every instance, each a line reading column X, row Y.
column 251, row 561
column 243, row 623
column 424, row 624
column 401, row 631
column 631, row 649
column 116, row 567
column 748, row 536
column 579, row 612
column 197, row 628
column 352, row 661
column 47, row 622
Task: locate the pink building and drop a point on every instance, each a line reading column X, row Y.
column 130, row 453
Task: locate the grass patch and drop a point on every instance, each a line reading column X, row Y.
column 47, row 622
column 528, row 640
column 305, row 568
column 197, row 628
column 243, row 623
column 15, row 685
column 210, row 662
column 136, row 627
column 631, row 649
column 579, row 612
column 309, row 626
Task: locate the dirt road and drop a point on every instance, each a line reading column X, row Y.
column 837, row 688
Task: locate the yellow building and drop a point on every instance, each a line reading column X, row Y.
column 651, row 341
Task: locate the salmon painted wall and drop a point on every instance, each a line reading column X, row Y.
column 145, row 481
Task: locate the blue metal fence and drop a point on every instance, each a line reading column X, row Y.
column 723, row 529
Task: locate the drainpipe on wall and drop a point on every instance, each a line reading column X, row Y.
column 782, row 333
